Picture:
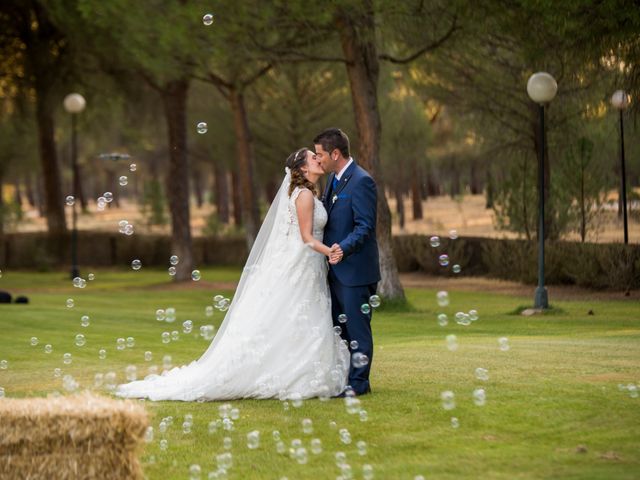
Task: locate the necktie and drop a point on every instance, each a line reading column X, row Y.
column 335, row 183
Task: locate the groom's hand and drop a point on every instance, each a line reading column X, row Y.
column 336, row 254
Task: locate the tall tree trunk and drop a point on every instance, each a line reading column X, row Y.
column 475, row 184
column 400, row 205
column 221, row 193
column 358, row 45
column 54, row 205
column 31, row 198
column 250, row 212
column 237, row 199
column 174, row 96
column 416, row 194
column 2, row 205
column 198, row 187
column 17, row 194
column 489, row 190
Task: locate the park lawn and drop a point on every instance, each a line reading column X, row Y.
column 553, row 410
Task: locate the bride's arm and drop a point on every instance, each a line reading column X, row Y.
column 304, row 208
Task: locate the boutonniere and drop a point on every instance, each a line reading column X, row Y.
column 334, row 198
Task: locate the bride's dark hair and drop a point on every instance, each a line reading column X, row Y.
column 295, row 162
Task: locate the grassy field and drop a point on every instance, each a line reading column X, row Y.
column 554, row 408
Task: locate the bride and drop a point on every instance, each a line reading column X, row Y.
column 277, row 338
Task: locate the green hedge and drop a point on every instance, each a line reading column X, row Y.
column 613, row 266
column 43, row 251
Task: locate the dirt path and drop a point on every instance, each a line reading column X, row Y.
column 490, row 285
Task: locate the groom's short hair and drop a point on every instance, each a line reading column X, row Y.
column 333, row 138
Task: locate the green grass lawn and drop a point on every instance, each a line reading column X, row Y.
column 553, row 409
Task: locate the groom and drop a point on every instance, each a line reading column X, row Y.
column 350, row 200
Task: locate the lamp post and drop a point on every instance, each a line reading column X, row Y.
column 74, row 103
column 541, row 88
column 620, row 101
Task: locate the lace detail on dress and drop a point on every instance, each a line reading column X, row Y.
column 319, row 214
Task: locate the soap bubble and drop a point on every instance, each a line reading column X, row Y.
column 70, row 303
column 443, row 260
column 173, row 260
column 4, row 364
column 80, row 340
column 452, row 343
column 136, row 264
column 448, row 400
column 91, row 277
column 148, row 356
column 434, row 241
column 316, row 446
column 194, row 472
column 455, row 423
column 453, row 234
column 482, row 374
column 208, row 311
column 367, row 472
column 48, row 348
column 443, row 320
column 160, row 315
column 175, row 336
column 354, row 345
column 108, row 197
column 362, row 447
column 171, row 315
column 123, row 180
column 337, row 330
column 443, row 298
column 133, row 167
column 456, row 268
column 365, row 308
column 148, row 435
column 503, row 343
column 374, row 301
column 34, row 341
column 342, row 318
column 121, row 344
column 84, row 320
column 479, row 397
column 195, row 275
column 307, row 426
column 66, row 358
column 207, row 19
column 131, row 342
column 227, row 443
column 359, row 360
column 187, row 326
column 70, row 200
column 201, row 127
column 131, row 372
column 473, row 315
column 102, row 354
column 166, row 337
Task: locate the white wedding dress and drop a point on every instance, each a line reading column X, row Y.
column 277, row 338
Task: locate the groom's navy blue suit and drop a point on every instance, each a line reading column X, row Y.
column 352, row 207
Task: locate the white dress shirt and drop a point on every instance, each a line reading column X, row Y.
column 339, row 174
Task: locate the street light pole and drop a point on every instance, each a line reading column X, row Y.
column 541, row 299
column 74, row 103
column 541, row 88
column 620, row 101
column 75, row 272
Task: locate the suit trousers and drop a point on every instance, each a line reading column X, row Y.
column 349, row 300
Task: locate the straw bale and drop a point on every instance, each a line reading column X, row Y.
column 77, row 437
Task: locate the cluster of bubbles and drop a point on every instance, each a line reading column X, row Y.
column 125, row 227
column 444, row 259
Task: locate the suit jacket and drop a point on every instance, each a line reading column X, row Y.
column 352, row 209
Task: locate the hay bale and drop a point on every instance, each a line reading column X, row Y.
column 78, row 437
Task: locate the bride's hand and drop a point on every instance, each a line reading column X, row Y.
column 336, row 254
